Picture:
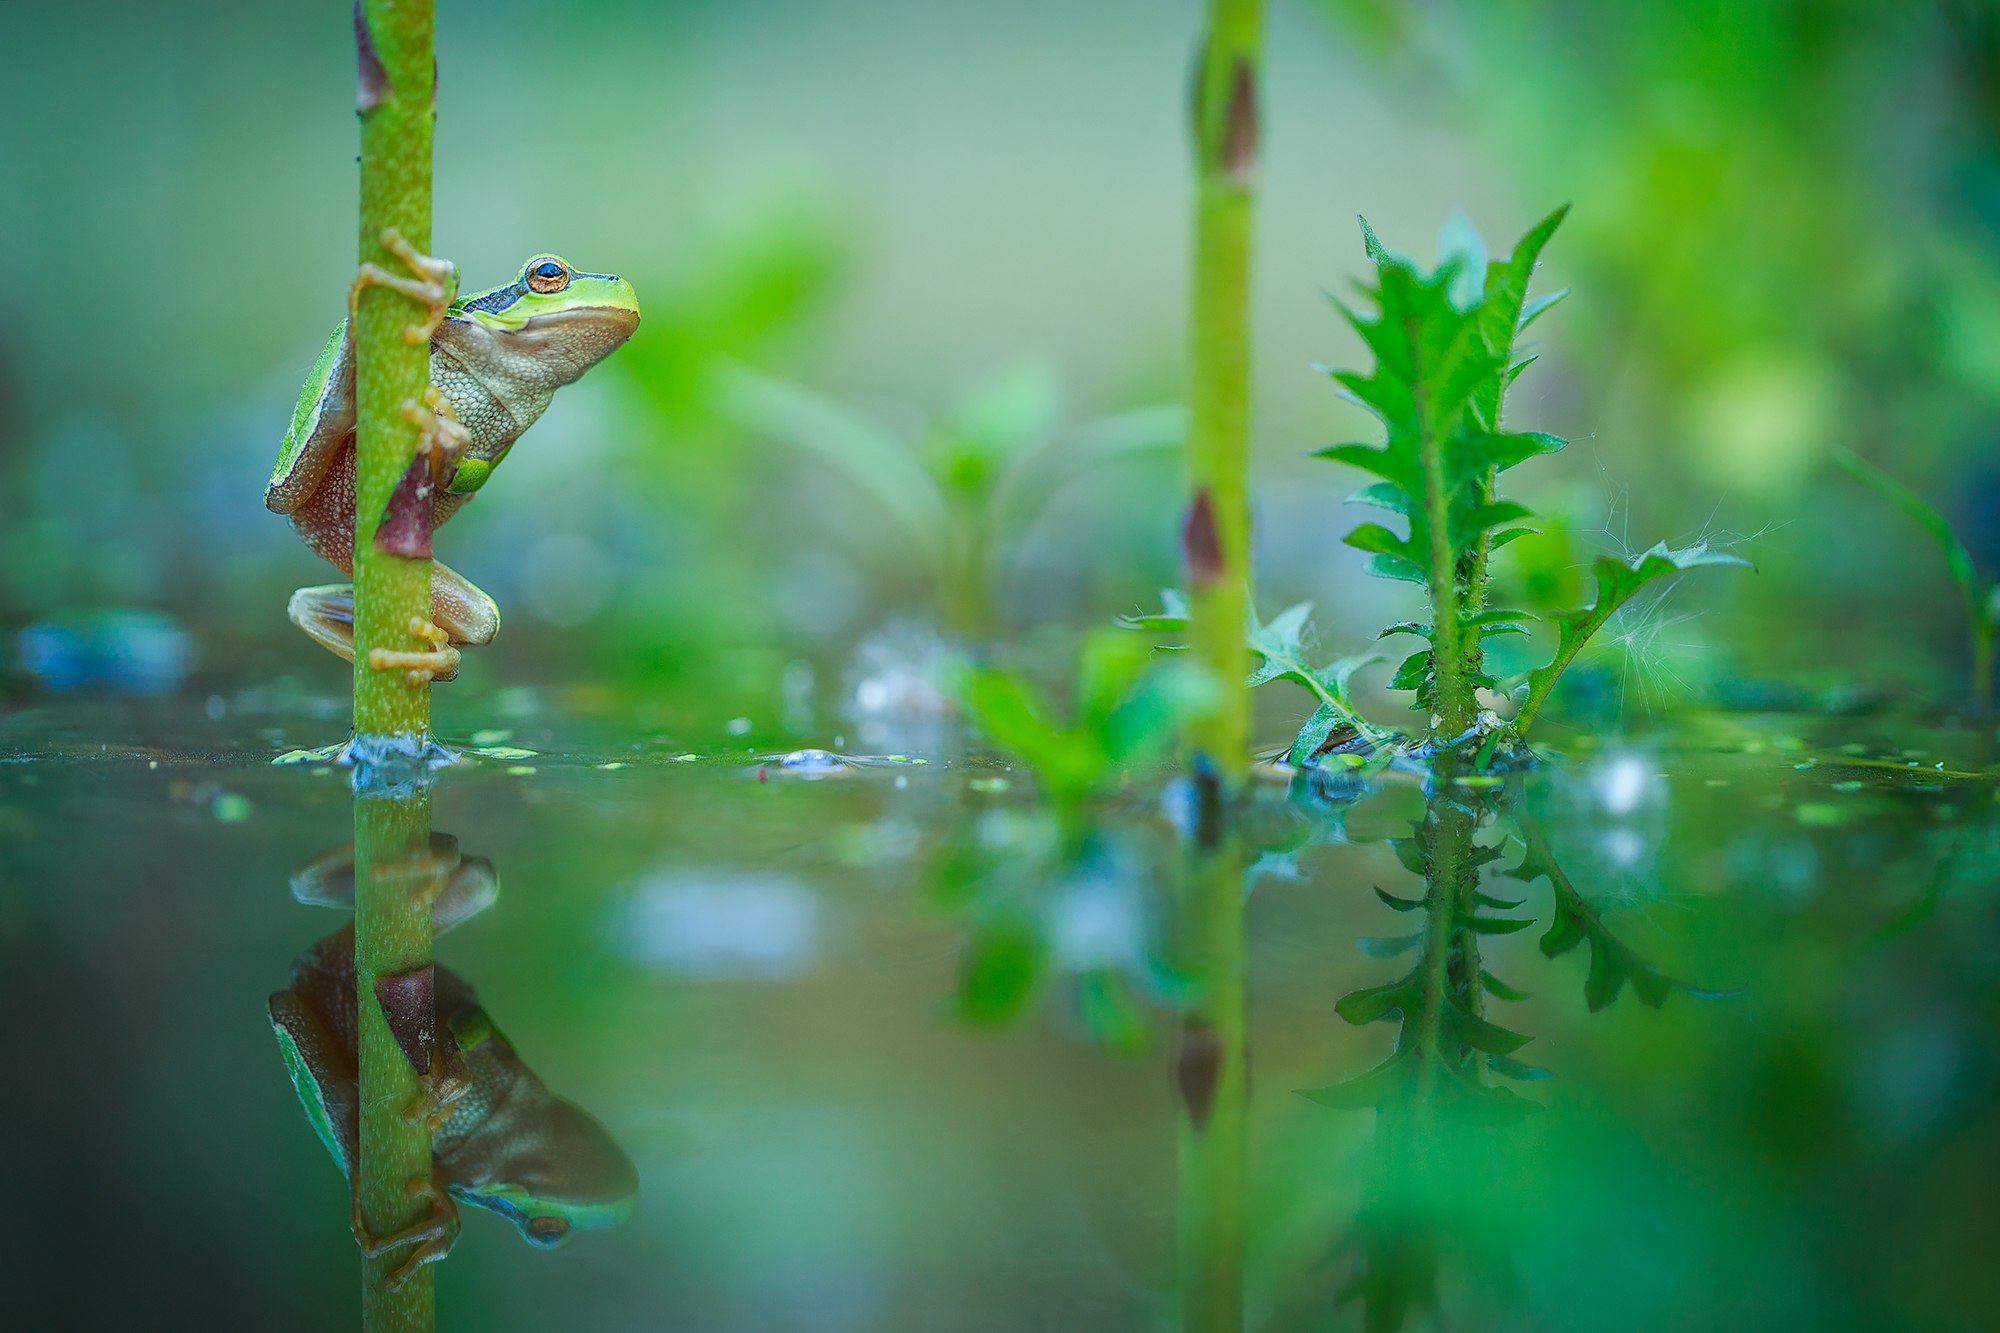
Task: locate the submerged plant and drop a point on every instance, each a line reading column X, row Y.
column 1982, row 594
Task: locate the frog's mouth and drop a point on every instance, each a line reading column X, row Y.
column 585, row 332
column 617, row 318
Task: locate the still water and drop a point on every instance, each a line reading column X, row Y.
column 753, row 976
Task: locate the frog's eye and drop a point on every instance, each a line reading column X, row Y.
column 546, row 1231
column 547, row 277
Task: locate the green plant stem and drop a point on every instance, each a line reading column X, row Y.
column 392, row 934
column 1978, row 594
column 392, row 928
column 1218, row 441
column 1447, row 835
column 1453, row 695
column 1218, row 466
column 1212, row 1153
column 389, row 371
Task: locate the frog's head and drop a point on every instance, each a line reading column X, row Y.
column 565, row 319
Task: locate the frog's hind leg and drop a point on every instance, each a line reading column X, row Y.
column 327, row 614
column 460, row 608
column 460, row 612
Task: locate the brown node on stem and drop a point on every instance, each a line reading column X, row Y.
column 1201, row 544
column 1198, row 1069
column 372, row 86
column 405, row 528
column 408, row 1003
column 1237, row 153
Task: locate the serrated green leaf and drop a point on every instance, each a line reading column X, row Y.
column 1508, row 1067
column 1378, row 540
column 1378, row 1002
column 1455, row 1025
column 1495, row 925
column 1410, row 675
column 1383, row 495
column 1385, row 1084
column 1172, row 616
column 1617, row 582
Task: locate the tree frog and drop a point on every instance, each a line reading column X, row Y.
column 496, row 359
column 506, row 1143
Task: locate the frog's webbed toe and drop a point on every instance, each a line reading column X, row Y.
column 433, row 1235
column 327, row 614
column 435, row 286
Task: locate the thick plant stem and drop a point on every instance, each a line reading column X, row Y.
column 1212, row 1077
column 392, row 924
column 1452, row 696
column 1218, row 445
column 396, row 99
column 392, row 934
column 1447, row 837
column 1211, row 1064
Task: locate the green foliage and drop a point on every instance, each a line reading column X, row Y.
column 1612, row 962
column 1281, row 646
column 1618, row 581
column 1000, row 971
column 1443, row 343
column 1982, row 595
column 976, row 479
column 1127, row 711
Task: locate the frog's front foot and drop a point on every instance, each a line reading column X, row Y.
column 433, row 1235
column 439, row 436
column 436, row 284
column 438, row 1091
column 440, row 662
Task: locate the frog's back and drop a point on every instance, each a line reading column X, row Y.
column 322, row 424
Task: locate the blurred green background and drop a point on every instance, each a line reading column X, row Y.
column 1783, row 239
column 914, row 282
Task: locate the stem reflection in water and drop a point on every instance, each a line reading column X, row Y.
column 451, row 1109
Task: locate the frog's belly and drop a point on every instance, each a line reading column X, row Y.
column 325, row 521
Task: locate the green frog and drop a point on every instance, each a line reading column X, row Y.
column 496, row 359
column 501, row 1141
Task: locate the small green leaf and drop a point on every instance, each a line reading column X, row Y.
column 1499, row 989
column 1385, row 1084
column 1410, row 675
column 1617, row 582
column 1508, row 1067
column 1172, row 616
column 1378, row 1002
column 1388, row 946
column 1457, row 1025
column 1495, row 925
column 1112, row 1016
column 1000, row 972
column 1398, row 904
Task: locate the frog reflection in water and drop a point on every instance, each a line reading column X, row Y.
column 502, row 1140
column 496, row 360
